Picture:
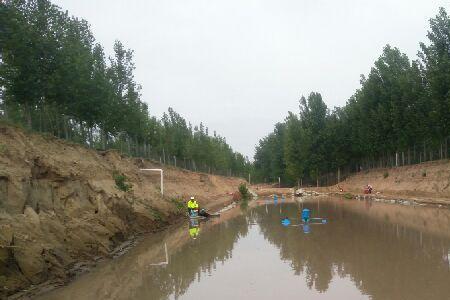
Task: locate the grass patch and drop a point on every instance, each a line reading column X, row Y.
column 157, row 215
column 348, row 196
column 179, row 204
column 122, row 182
column 386, row 175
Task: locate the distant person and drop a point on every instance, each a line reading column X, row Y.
column 306, row 215
column 192, row 206
column 368, row 189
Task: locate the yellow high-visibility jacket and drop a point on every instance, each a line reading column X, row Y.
column 192, row 204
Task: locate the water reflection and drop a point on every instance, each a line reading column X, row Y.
column 379, row 257
column 194, row 228
column 384, row 260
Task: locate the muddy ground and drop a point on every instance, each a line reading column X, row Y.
column 60, row 205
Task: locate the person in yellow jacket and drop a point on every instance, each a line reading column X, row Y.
column 192, row 205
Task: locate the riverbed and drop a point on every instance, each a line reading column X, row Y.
column 356, row 250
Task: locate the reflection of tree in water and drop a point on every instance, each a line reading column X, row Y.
column 382, row 260
column 188, row 262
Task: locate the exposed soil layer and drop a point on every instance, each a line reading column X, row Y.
column 60, row 204
column 427, row 183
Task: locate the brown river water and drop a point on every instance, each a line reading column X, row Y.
column 365, row 250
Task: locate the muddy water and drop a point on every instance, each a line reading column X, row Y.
column 365, row 251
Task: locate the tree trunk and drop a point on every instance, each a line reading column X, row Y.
column 446, row 147
column 424, row 152
column 66, row 133
column 83, row 137
column 28, row 116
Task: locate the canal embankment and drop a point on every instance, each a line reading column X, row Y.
column 424, row 184
column 64, row 206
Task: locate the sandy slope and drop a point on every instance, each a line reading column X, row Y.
column 427, row 182
column 59, row 204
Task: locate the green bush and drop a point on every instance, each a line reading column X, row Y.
column 179, row 204
column 121, row 182
column 385, row 175
column 243, row 190
column 157, row 215
column 348, row 196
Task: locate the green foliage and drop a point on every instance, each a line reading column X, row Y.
column 385, row 174
column 348, row 196
column 401, row 104
column 55, row 78
column 179, row 204
column 121, row 182
column 243, row 190
column 157, row 215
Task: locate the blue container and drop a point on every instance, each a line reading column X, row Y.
column 306, row 215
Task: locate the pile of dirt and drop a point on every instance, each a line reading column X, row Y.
column 60, row 204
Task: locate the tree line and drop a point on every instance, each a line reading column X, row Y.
column 55, row 78
column 399, row 115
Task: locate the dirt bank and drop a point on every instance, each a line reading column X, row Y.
column 425, row 183
column 59, row 204
column 267, row 190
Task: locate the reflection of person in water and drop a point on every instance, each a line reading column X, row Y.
column 194, row 228
column 306, row 228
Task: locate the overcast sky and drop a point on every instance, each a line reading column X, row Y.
column 240, row 65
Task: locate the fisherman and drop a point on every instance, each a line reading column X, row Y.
column 192, row 206
column 306, row 215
